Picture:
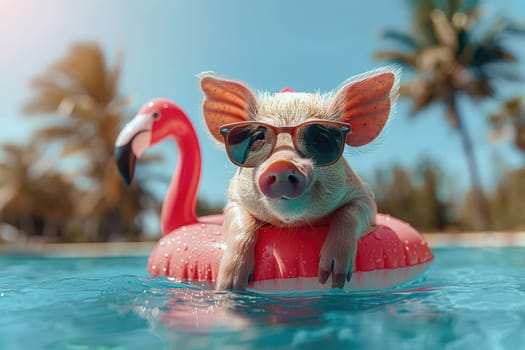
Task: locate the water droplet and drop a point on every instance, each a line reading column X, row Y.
column 178, row 249
column 154, row 267
column 162, row 242
column 378, row 260
column 166, row 255
column 185, row 246
column 407, row 249
column 163, row 269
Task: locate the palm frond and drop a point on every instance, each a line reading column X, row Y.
column 56, row 81
column 514, row 107
column 113, row 79
column 519, row 136
column 444, row 31
column 513, row 27
column 451, row 7
column 422, row 92
column 45, row 103
column 14, row 150
column 398, row 57
column 509, row 121
column 7, row 194
column 484, row 55
column 479, row 88
column 55, row 133
column 85, row 65
column 422, row 25
column 404, row 39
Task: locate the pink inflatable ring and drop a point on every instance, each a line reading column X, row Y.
column 286, row 259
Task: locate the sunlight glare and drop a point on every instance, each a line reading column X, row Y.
column 26, row 27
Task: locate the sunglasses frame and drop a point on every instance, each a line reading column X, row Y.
column 344, row 129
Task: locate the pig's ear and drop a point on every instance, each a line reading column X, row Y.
column 226, row 102
column 365, row 102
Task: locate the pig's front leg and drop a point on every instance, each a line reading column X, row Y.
column 338, row 252
column 238, row 260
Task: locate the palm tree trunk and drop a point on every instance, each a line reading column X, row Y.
column 483, row 219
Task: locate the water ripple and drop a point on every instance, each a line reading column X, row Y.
column 468, row 299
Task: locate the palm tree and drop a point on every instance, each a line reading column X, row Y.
column 449, row 62
column 28, row 193
column 511, row 115
column 15, row 187
column 413, row 196
column 507, row 200
column 80, row 92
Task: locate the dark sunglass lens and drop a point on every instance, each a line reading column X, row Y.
column 320, row 142
column 249, row 144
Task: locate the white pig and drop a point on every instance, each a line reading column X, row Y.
column 286, row 186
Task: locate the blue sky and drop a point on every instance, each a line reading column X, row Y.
column 305, row 45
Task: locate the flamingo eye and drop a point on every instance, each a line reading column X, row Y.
column 155, row 115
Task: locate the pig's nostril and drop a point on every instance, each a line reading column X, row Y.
column 292, row 178
column 271, row 179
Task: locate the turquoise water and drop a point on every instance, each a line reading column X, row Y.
column 468, row 299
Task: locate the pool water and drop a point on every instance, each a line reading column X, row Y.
column 468, row 299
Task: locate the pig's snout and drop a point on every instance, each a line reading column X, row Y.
column 282, row 179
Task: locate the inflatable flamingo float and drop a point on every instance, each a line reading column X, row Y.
column 190, row 248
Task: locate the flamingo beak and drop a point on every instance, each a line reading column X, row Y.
column 125, row 162
column 132, row 141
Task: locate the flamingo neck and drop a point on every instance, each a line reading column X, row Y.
column 178, row 208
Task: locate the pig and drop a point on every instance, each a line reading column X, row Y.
column 285, row 187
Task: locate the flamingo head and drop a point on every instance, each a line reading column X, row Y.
column 153, row 122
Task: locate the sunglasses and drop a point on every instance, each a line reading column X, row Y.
column 249, row 143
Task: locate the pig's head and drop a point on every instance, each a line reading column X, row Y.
column 294, row 176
